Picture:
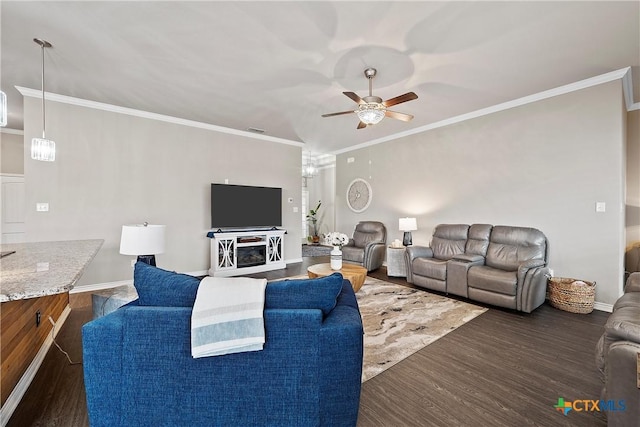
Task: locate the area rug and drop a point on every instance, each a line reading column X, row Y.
column 315, row 250
column 399, row 320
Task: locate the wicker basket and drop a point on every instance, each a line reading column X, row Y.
column 572, row 295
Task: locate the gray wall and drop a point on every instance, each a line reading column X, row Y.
column 541, row 165
column 11, row 153
column 113, row 169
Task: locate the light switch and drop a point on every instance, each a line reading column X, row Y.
column 601, row 207
column 351, row 160
column 42, row 207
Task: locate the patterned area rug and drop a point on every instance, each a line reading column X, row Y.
column 398, row 321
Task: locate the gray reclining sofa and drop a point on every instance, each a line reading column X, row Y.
column 618, row 358
column 499, row 265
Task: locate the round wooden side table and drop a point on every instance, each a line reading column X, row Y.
column 353, row 273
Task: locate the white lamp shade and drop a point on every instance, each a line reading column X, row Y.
column 138, row 239
column 407, row 224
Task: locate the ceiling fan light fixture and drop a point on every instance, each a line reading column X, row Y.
column 371, row 113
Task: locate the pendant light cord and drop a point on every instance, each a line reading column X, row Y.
column 43, row 44
column 44, row 123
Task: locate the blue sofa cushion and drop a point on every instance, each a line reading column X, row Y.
column 162, row 288
column 321, row 293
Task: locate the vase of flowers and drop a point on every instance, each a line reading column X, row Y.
column 337, row 240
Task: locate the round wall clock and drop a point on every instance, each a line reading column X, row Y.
column 358, row 195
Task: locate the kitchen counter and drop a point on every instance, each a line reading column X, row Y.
column 43, row 268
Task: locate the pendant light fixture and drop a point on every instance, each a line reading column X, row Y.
column 42, row 148
column 3, row 109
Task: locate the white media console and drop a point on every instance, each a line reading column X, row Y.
column 246, row 252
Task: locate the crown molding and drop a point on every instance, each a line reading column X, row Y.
column 12, row 131
column 627, row 88
column 64, row 99
column 624, row 74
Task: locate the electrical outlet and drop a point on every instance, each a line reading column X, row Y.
column 38, row 318
column 42, row 207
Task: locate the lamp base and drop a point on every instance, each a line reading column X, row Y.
column 406, row 240
column 147, row 259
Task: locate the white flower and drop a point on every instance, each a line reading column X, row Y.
column 336, row 239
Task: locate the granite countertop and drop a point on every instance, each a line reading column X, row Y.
column 43, row 268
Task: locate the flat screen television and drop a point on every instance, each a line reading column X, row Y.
column 245, row 206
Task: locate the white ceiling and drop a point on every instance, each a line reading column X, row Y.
column 279, row 65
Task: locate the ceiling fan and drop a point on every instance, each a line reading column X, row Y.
column 372, row 109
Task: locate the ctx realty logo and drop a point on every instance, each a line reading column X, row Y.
column 588, row 405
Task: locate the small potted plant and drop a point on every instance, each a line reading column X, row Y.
column 312, row 217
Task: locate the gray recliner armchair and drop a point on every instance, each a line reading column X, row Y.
column 367, row 246
column 618, row 358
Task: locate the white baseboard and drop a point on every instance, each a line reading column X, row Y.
column 21, row 388
column 603, row 307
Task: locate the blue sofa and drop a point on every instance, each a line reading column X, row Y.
column 138, row 368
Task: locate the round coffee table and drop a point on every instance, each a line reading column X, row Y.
column 352, row 272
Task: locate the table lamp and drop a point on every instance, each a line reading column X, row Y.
column 144, row 240
column 407, row 225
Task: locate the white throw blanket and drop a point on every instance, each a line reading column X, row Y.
column 228, row 316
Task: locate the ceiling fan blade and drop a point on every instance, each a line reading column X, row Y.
column 354, row 97
column 409, row 96
column 362, row 125
column 400, row 116
column 337, row 114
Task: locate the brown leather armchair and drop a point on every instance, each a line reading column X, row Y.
column 367, row 246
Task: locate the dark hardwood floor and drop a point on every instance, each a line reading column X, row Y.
column 503, row 368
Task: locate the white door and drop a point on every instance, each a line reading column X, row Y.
column 12, row 209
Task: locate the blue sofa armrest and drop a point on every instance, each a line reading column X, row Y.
column 341, row 354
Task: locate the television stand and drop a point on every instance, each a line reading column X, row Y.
column 235, row 253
